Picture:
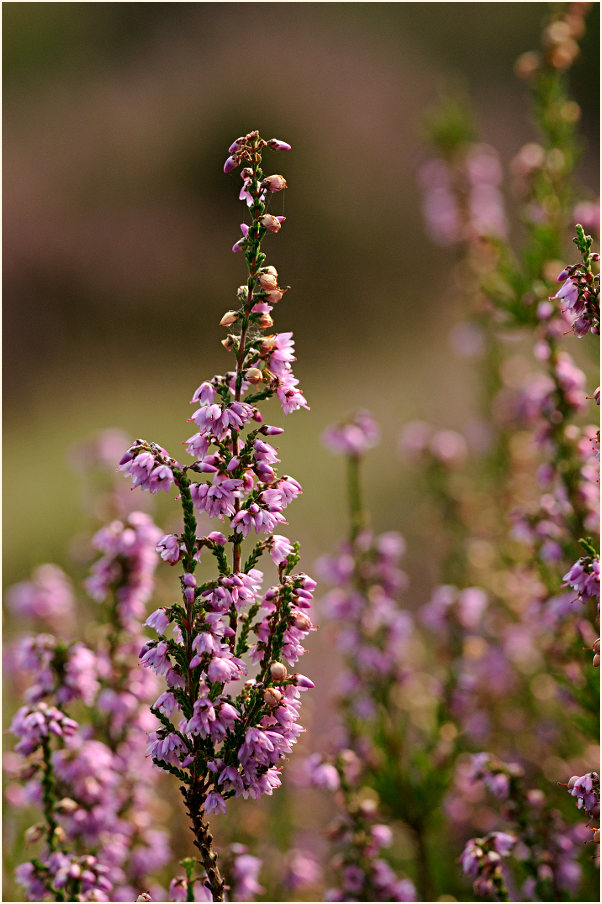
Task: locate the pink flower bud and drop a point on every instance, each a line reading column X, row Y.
column 236, row 145
column 274, row 183
column 231, row 163
column 276, row 145
column 304, row 682
column 272, row 224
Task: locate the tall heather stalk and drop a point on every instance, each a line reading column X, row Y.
column 223, row 736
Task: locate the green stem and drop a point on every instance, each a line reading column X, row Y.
column 356, row 509
column 49, row 794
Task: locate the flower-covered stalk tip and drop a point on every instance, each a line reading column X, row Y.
column 579, row 295
column 222, row 733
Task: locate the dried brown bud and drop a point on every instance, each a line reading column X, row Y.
column 268, row 278
column 272, row 696
column 301, row 621
column 267, row 345
column 229, row 318
column 34, row 833
column 274, row 295
column 527, row 65
column 278, row 671
column 67, row 805
column 596, row 836
column 265, row 322
column 253, row 375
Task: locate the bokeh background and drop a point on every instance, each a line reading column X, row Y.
column 118, row 225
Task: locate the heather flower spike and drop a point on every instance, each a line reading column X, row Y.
column 221, row 735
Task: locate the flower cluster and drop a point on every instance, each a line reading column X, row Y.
column 91, row 779
column 225, row 734
column 482, row 858
column 363, row 874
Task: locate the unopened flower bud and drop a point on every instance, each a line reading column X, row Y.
column 278, row 671
column 265, row 322
column 243, row 292
column 597, row 661
column 268, row 278
column 59, row 834
column 276, row 145
column 228, row 343
column 301, row 621
column 274, row 183
column 368, row 807
column 67, row 805
column 231, row 163
column 250, row 683
column 272, row 696
column 571, row 782
column 274, row 295
column 596, row 836
column 272, row 224
column 34, row 833
column 144, row 897
column 253, row 375
column 527, row 64
column 229, row 318
column 267, row 345
column 596, row 646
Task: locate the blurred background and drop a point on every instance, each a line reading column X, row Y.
column 118, row 224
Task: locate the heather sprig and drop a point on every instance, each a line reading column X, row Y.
column 220, row 740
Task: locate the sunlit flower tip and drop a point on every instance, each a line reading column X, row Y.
column 254, row 375
column 278, row 671
column 304, row 682
column 596, row 660
column 228, row 344
column 265, row 322
column 274, row 183
column 272, row 224
column 67, row 805
column 229, row 318
column 272, row 696
column 276, row 145
column 231, row 163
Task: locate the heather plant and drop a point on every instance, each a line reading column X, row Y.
column 531, row 619
column 224, row 734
